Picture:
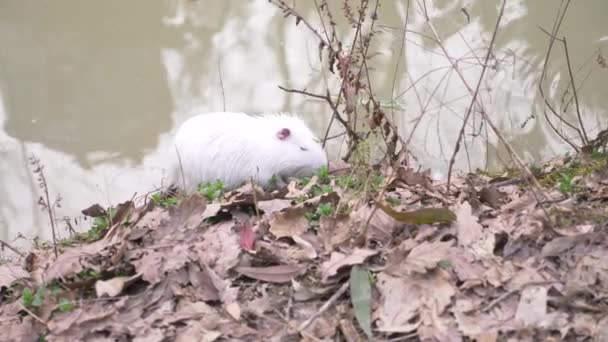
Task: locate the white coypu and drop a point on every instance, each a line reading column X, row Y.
column 236, row 147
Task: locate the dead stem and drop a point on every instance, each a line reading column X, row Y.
column 575, row 93
column 15, row 250
column 475, row 93
column 45, row 202
column 34, row 316
column 219, row 72
column 325, row 306
column 556, row 25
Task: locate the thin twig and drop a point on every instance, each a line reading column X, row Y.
column 328, row 99
column 578, row 109
column 5, row 244
column 556, row 25
column 525, row 170
column 325, row 306
column 219, row 72
column 49, row 206
column 34, row 316
column 474, row 98
column 401, row 48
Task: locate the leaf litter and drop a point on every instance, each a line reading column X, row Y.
column 485, row 262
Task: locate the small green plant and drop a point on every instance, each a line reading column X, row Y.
column 31, row 299
column 599, row 154
column 211, row 190
column 320, row 190
column 163, row 202
column 303, row 181
column 323, row 175
column 273, row 182
column 324, row 209
column 565, row 183
column 65, row 305
column 88, row 274
column 393, row 201
column 27, row 297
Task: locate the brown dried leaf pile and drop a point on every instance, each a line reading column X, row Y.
column 495, row 266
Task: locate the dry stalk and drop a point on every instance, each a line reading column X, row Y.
column 521, row 165
column 15, row 250
column 219, row 72
column 45, row 202
column 351, row 67
column 552, row 38
column 474, row 95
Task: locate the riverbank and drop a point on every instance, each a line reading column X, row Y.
column 347, row 253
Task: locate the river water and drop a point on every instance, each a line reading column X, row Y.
column 96, row 89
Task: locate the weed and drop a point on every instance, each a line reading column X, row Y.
column 320, row 190
column 393, row 201
column 45, row 202
column 88, row 274
column 27, row 297
column 211, row 191
column 323, row 175
column 66, row 305
column 162, row 201
column 324, row 209
column 31, row 299
column 565, row 183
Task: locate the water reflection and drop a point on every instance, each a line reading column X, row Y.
column 95, row 90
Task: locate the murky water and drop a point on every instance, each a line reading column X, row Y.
column 96, row 89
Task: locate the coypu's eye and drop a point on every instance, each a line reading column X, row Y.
column 303, row 148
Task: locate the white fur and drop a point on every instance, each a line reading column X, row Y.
column 235, row 147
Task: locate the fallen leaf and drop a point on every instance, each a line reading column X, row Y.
column 532, row 307
column 112, row 287
column 234, row 310
column 273, row 274
column 95, row 210
column 246, row 236
column 188, row 214
column 360, row 295
column 405, row 300
column 288, row 223
column 422, row 258
column 339, row 260
column 421, row 216
column 10, row 272
column 492, row 196
column 334, row 230
column 273, row 205
column 467, row 226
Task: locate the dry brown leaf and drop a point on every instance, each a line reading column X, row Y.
column 273, row 274
column 492, row 196
column 218, row 246
column 189, row 213
column 151, row 266
column 411, row 177
column 273, row 205
column 404, row 299
column 532, row 308
column 423, row 257
column 467, row 226
column 590, row 274
column 202, row 282
column 339, row 260
column 334, row 231
column 10, row 272
column 289, row 222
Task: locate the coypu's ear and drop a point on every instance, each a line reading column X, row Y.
column 283, row 133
